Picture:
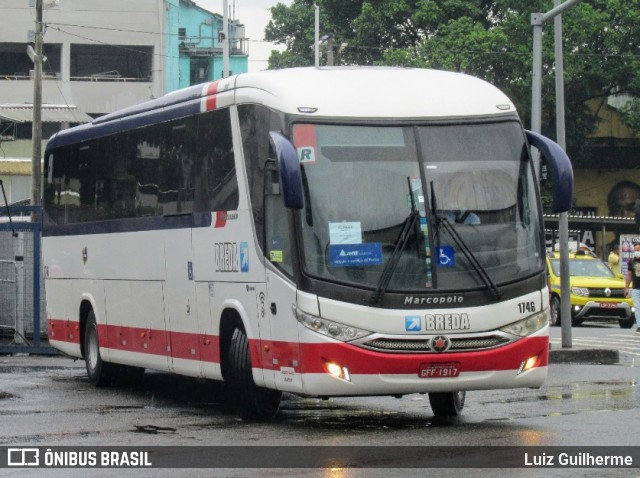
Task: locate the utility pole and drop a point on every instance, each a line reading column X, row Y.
column 537, row 21
column 36, row 133
column 225, row 40
column 330, row 50
column 316, row 41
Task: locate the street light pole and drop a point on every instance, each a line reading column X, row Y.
column 36, row 132
column 537, row 21
column 225, row 41
column 316, row 38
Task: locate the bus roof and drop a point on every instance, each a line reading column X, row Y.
column 327, row 92
column 378, row 92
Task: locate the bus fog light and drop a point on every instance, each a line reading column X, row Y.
column 528, row 364
column 338, row 371
column 577, row 308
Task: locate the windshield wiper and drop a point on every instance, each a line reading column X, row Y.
column 409, row 225
column 482, row 272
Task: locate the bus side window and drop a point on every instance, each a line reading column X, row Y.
column 215, row 172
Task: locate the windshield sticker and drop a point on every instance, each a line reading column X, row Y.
column 306, row 155
column 275, row 254
column 345, row 233
column 304, row 138
column 424, row 227
column 348, row 255
column 446, row 256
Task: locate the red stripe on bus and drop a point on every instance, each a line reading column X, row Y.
column 63, row 330
column 304, row 357
column 221, row 219
column 212, row 91
column 183, row 345
column 312, row 358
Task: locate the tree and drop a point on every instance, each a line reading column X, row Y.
column 491, row 39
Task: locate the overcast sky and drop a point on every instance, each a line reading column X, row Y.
column 255, row 15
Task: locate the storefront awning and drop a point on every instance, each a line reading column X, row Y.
column 14, row 167
column 23, row 113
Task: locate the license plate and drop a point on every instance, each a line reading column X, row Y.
column 439, row 370
column 608, row 305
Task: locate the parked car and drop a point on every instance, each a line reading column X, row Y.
column 596, row 293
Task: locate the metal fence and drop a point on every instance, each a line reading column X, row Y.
column 22, row 317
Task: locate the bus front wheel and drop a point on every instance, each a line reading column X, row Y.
column 99, row 372
column 447, row 404
column 251, row 402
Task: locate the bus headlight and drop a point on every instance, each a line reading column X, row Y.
column 335, row 330
column 527, row 326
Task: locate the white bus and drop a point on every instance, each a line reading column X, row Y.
column 320, row 231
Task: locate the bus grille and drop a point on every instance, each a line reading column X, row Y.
column 458, row 344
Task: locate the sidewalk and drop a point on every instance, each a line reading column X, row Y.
column 584, row 355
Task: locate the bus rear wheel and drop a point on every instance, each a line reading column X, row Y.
column 251, row 402
column 99, row 372
column 447, row 404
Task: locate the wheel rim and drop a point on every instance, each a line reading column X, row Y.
column 92, row 352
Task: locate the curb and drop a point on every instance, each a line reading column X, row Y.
column 586, row 356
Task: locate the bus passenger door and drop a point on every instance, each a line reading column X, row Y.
column 281, row 291
column 180, row 301
column 285, row 347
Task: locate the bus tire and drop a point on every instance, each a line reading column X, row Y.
column 447, row 404
column 251, row 402
column 98, row 371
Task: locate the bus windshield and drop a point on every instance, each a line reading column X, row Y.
column 380, row 194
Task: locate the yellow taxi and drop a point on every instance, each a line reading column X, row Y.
column 596, row 293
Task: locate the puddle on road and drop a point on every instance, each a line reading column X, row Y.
column 329, row 416
column 575, row 398
column 615, row 390
column 5, row 395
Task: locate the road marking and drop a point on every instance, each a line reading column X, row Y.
column 625, row 343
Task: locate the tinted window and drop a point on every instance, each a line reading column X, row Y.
column 177, row 167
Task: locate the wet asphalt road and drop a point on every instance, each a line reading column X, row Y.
column 47, row 401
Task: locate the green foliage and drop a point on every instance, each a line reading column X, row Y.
column 491, row 39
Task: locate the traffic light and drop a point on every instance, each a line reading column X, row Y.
column 637, row 212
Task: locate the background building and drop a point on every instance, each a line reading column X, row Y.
column 101, row 57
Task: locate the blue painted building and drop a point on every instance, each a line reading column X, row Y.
column 193, row 50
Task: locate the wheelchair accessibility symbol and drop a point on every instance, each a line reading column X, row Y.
column 446, row 256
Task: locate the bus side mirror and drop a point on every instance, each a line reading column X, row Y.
column 561, row 170
column 289, row 167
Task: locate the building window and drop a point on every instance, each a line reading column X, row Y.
column 182, row 33
column 111, row 63
column 16, row 65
